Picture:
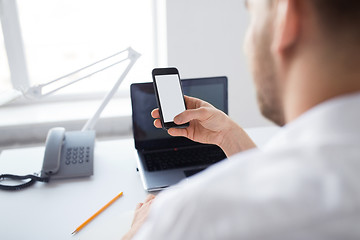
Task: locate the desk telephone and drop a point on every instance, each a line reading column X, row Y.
column 67, row 155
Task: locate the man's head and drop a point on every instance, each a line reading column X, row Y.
column 291, row 43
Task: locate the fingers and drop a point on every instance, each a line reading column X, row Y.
column 149, row 198
column 155, row 113
column 147, row 201
column 157, row 123
column 138, row 206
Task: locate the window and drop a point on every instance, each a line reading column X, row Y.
column 60, row 36
column 5, row 82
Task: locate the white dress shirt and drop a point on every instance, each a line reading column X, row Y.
column 304, row 184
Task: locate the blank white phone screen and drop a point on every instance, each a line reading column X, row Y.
column 170, row 96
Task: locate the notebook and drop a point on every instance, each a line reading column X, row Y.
column 164, row 160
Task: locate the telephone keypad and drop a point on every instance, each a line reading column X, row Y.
column 76, row 155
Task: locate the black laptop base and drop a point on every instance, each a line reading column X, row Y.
column 182, row 157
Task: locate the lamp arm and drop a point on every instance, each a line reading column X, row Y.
column 83, row 68
column 75, row 81
column 36, row 91
column 89, row 125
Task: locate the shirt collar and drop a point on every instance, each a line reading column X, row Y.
column 335, row 120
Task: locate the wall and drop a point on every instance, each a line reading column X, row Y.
column 205, row 38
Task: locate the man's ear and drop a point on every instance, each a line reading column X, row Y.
column 286, row 25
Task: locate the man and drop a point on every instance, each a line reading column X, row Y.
column 305, row 184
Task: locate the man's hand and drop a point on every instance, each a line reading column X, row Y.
column 208, row 125
column 141, row 213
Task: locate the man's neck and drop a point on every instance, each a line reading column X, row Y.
column 312, row 81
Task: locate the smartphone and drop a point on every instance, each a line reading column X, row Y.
column 169, row 96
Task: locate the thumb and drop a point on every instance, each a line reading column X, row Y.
column 192, row 114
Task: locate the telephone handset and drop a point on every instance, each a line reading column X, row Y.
column 68, row 154
column 53, row 147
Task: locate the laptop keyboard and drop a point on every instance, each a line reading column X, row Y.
column 179, row 158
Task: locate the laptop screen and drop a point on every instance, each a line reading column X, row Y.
column 213, row 90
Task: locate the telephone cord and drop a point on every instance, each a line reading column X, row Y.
column 31, row 180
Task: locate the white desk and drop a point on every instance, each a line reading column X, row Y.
column 54, row 210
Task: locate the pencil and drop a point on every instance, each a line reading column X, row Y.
column 97, row 213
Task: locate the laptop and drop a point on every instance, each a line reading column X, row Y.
column 164, row 160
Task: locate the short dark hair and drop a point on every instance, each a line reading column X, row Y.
column 339, row 15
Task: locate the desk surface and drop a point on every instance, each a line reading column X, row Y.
column 54, row 210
